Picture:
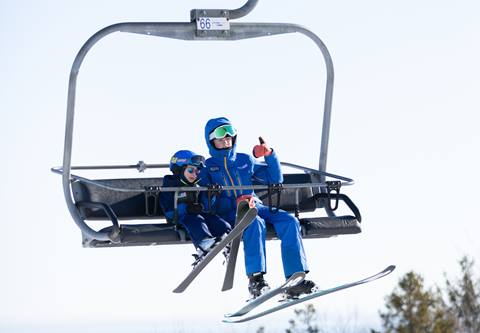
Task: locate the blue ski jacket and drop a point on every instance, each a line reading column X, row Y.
column 184, row 199
column 226, row 167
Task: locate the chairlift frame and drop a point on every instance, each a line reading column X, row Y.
column 220, row 28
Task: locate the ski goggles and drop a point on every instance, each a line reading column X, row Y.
column 197, row 160
column 222, row 131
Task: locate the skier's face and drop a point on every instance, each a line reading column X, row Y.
column 224, row 143
column 191, row 173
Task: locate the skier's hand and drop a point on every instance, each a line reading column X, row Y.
column 194, row 208
column 215, row 189
column 248, row 198
column 262, row 149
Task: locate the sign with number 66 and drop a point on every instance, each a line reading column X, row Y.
column 213, row 23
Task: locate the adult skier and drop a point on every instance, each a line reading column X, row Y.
column 227, row 167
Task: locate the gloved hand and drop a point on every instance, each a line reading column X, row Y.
column 194, row 208
column 248, row 198
column 262, row 149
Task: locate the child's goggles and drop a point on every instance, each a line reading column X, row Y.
column 197, row 160
column 222, row 131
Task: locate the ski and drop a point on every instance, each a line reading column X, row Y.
column 246, row 215
column 230, row 264
column 308, row 297
column 231, row 260
column 252, row 304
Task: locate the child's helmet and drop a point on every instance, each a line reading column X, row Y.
column 183, row 158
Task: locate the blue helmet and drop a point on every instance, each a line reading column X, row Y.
column 185, row 157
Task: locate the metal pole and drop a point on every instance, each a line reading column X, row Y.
column 244, row 10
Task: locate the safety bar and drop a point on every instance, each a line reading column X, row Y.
column 142, row 166
column 203, row 188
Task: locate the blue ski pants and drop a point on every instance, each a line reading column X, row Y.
column 287, row 228
column 201, row 226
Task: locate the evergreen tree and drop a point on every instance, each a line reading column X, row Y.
column 307, row 318
column 464, row 299
column 412, row 309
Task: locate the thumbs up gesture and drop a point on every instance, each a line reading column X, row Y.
column 262, row 149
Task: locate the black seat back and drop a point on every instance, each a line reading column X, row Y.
column 129, row 205
column 292, row 200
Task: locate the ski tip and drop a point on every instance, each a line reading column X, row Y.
column 390, row 268
column 231, row 320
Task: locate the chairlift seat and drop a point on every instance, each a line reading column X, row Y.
column 135, row 205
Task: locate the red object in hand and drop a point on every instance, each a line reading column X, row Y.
column 262, row 149
column 247, row 197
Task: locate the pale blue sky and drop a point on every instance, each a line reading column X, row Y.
column 404, row 126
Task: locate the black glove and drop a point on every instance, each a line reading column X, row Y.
column 194, row 208
column 214, row 189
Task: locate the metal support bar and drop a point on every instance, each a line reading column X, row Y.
column 151, row 200
column 333, row 186
column 115, row 234
column 200, row 188
column 244, row 10
column 142, row 166
column 274, row 189
column 232, row 14
column 345, row 199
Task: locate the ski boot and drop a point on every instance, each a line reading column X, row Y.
column 207, row 244
column 257, row 286
column 203, row 248
column 226, row 249
column 304, row 287
column 226, row 253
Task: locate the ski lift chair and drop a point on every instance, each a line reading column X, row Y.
column 117, row 200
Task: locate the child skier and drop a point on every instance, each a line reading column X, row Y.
column 203, row 228
column 227, row 167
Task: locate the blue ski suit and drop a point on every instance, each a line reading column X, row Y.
column 227, row 167
column 198, row 225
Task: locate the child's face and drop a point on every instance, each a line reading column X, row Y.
column 191, row 173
